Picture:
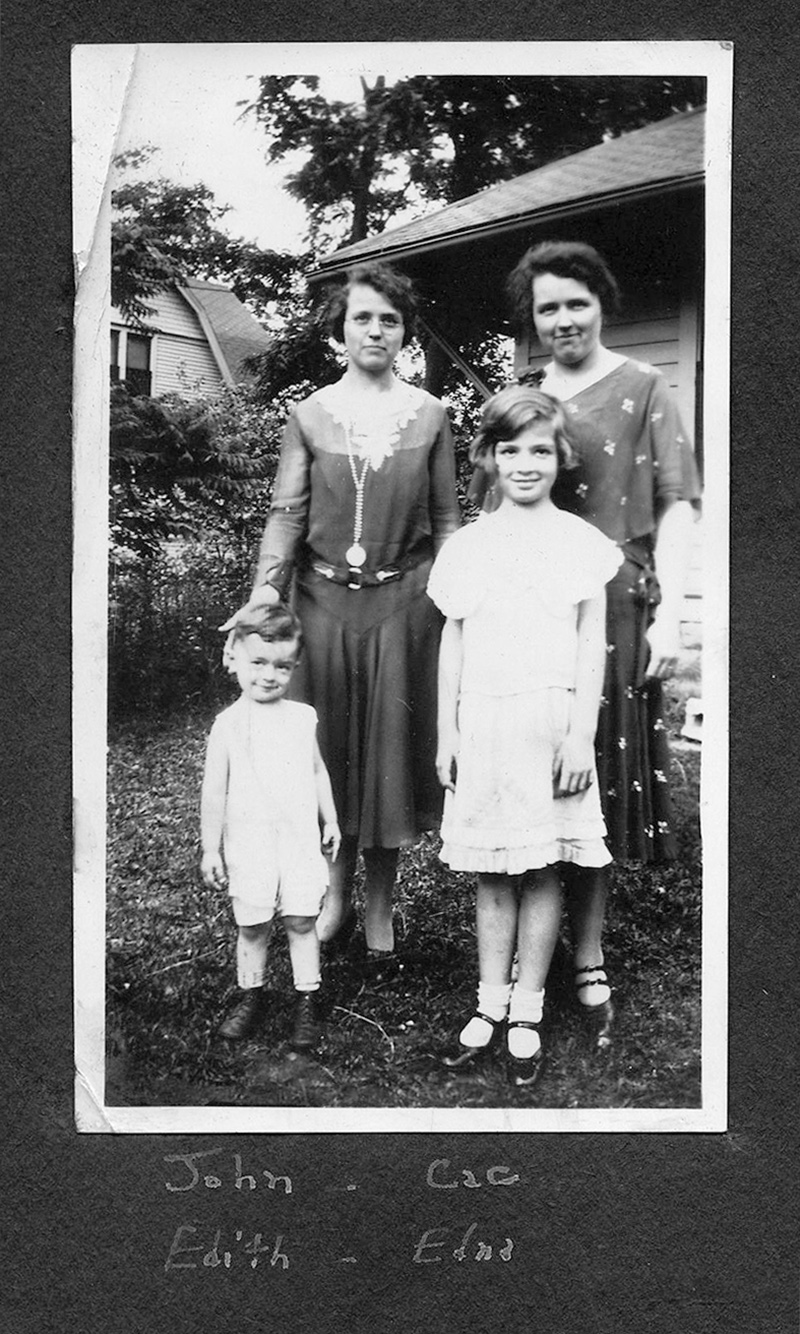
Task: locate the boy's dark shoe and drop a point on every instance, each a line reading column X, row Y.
column 305, row 1034
column 245, row 1017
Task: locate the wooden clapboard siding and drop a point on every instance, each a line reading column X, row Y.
column 181, row 360
column 692, row 617
column 184, row 366
column 175, row 317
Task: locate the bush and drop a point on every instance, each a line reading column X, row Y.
column 190, row 487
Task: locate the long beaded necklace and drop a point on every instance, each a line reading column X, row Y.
column 356, row 555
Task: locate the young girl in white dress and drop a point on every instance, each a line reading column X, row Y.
column 520, row 678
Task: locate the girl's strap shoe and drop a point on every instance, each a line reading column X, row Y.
column 524, row 1072
column 466, row 1056
column 599, row 1017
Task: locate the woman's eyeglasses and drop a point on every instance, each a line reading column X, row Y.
column 363, row 320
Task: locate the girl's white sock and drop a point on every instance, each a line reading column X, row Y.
column 493, row 1002
column 526, row 1006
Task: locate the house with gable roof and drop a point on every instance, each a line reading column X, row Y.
column 197, row 339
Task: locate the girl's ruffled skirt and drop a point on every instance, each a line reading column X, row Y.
column 504, row 817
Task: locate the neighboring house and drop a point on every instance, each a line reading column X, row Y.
column 638, row 198
column 196, row 341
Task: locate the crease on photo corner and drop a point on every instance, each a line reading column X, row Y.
column 102, row 82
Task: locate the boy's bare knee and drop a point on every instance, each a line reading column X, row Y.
column 254, row 934
column 300, row 926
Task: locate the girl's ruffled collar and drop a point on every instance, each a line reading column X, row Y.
column 372, row 422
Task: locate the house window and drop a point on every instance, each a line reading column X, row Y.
column 130, row 361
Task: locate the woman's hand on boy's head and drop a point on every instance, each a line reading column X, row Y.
column 331, row 840
column 212, row 870
column 265, row 596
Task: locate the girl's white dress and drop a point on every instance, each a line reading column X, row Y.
column 517, row 594
column 271, row 834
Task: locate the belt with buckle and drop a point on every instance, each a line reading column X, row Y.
column 353, row 577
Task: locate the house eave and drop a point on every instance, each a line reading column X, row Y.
column 337, row 264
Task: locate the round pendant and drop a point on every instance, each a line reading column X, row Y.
column 355, row 556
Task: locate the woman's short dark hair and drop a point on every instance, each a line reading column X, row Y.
column 565, row 259
column 511, row 412
column 274, row 624
column 396, row 287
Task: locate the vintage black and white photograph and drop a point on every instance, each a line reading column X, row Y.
column 400, row 586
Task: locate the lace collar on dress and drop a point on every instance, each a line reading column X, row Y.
column 372, row 422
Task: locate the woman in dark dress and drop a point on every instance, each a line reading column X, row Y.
column 636, row 481
column 364, row 497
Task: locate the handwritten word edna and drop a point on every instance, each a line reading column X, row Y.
column 439, row 1176
column 483, row 1250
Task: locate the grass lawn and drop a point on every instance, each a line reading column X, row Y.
column 171, row 971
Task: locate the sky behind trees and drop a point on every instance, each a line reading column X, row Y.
column 183, row 99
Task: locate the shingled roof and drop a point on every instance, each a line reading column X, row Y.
column 233, row 333
column 658, row 159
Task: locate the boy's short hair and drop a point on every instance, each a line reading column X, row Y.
column 272, row 624
column 512, row 411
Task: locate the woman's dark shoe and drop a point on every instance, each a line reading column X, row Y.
column 524, row 1072
column 305, row 1033
column 467, row 1056
column 337, row 945
column 599, row 1018
column 245, row 1018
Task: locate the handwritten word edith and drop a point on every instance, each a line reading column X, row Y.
column 214, row 1257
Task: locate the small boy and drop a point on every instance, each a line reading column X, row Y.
column 265, row 791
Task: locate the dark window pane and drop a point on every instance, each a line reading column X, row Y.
column 138, row 355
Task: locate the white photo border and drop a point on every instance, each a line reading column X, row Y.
column 102, row 79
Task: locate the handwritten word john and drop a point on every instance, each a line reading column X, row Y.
column 241, row 1180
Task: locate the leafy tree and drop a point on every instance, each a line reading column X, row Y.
column 435, row 139
column 162, row 233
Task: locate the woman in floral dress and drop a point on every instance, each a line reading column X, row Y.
column 636, row 481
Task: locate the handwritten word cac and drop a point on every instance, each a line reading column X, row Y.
column 495, row 1176
column 213, row 1258
column 240, row 1181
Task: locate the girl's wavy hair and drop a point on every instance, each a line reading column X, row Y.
column 398, row 290
column 511, row 412
column 565, row 259
column 273, row 624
